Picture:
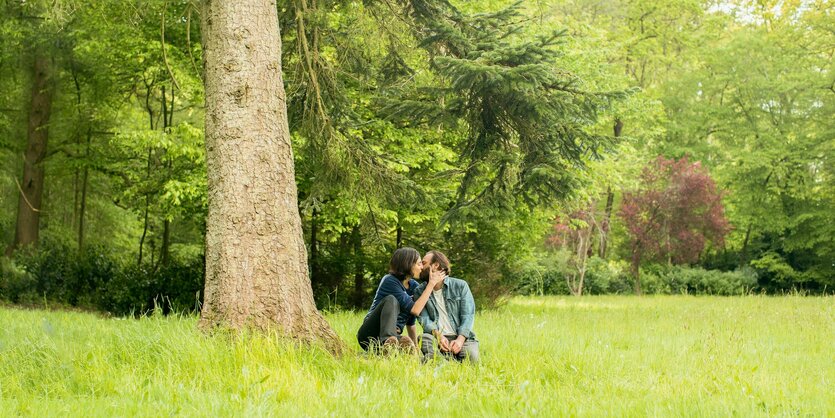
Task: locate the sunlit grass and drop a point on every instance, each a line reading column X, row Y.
column 622, row 356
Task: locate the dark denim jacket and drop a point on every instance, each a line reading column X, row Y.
column 459, row 305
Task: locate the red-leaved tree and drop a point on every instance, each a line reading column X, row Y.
column 674, row 213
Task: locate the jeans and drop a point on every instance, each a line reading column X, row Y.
column 468, row 351
column 379, row 324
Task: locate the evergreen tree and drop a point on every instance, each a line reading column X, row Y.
column 525, row 120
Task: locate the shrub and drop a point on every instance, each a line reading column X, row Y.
column 16, row 285
column 93, row 279
column 708, row 282
column 607, row 276
column 544, row 276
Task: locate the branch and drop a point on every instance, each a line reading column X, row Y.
column 162, row 37
column 188, row 38
column 24, row 196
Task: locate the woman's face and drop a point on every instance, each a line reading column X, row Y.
column 416, row 268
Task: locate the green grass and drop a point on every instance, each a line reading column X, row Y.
column 621, row 356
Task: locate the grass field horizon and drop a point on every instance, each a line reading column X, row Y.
column 548, row 356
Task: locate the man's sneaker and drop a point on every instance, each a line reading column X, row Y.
column 407, row 345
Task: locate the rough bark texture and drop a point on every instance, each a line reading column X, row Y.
column 31, row 193
column 256, row 262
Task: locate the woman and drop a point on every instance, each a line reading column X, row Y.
column 394, row 308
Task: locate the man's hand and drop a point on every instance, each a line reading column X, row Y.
column 457, row 344
column 444, row 344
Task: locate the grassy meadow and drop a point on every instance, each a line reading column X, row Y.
column 546, row 356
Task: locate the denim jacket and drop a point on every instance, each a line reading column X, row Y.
column 459, row 304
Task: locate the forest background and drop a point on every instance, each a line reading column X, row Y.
column 548, row 147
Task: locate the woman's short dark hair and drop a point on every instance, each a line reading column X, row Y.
column 402, row 261
column 442, row 260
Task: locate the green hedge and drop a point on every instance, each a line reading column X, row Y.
column 58, row 274
column 548, row 276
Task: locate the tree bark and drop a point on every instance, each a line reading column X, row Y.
column 83, row 205
column 167, row 119
column 31, row 189
column 605, row 227
column 315, row 274
column 166, row 243
column 743, row 253
column 610, row 199
column 399, row 233
column 636, row 271
column 147, row 206
column 359, row 271
column 256, row 261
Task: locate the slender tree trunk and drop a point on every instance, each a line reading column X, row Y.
column 144, row 232
column 399, row 236
column 77, row 172
column 167, row 119
column 31, row 189
column 76, row 191
column 166, row 243
column 610, row 199
column 618, row 128
column 636, row 270
column 147, row 207
column 743, row 253
column 359, row 271
column 605, row 227
column 315, row 274
column 83, row 204
column 256, row 262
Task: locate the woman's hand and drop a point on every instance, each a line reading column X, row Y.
column 435, row 276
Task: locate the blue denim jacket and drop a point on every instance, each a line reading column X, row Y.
column 459, row 305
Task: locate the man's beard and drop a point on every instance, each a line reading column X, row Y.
column 424, row 275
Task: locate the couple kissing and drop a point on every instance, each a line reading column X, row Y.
column 442, row 304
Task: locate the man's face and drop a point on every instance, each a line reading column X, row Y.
column 424, row 274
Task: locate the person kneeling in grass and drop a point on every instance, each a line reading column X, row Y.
column 394, row 307
column 449, row 313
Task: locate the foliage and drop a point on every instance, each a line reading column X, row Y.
column 674, row 214
column 465, row 127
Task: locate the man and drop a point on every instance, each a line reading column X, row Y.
column 448, row 315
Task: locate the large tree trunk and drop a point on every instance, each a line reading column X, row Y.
column 31, row 190
column 256, row 262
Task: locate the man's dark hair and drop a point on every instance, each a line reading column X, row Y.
column 443, row 262
column 402, row 261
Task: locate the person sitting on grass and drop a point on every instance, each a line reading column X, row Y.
column 448, row 315
column 394, row 308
